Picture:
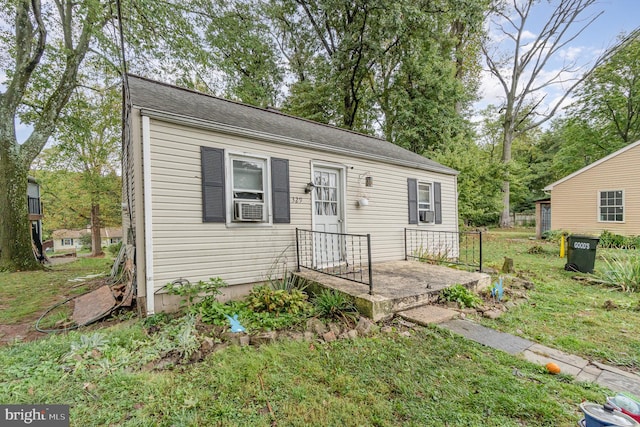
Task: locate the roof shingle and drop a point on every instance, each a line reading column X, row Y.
column 161, row 97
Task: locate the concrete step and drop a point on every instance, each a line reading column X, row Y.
column 428, row 314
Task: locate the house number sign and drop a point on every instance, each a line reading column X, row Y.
column 296, row 200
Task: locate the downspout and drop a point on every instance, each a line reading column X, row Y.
column 148, row 217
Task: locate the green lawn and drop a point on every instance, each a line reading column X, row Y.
column 432, row 378
column 429, row 378
column 562, row 312
column 26, row 295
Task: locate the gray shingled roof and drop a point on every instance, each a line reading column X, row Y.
column 161, row 97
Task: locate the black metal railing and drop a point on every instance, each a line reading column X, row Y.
column 35, row 207
column 347, row 256
column 446, row 247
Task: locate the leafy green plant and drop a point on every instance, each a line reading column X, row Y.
column 333, row 304
column 611, row 240
column 554, row 235
column 622, row 272
column 265, row 298
column 461, row 295
column 115, row 248
column 191, row 291
column 214, row 312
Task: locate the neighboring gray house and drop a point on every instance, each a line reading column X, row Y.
column 35, row 215
column 218, row 188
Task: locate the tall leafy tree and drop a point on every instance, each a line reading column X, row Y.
column 42, row 50
column 88, row 142
column 244, row 51
column 609, row 99
column 46, row 48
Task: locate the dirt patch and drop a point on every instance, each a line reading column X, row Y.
column 21, row 332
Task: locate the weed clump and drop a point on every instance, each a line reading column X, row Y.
column 335, row 305
column 623, row 273
column 461, row 295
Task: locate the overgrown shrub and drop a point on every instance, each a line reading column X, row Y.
column 461, row 295
column 190, row 291
column 622, row 272
column 611, row 240
column 336, row 305
column 114, row 249
column 267, row 299
column 554, row 235
column 214, row 312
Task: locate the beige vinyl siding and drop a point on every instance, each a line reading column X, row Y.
column 185, row 247
column 574, row 202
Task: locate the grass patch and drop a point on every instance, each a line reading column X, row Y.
column 561, row 312
column 27, row 294
column 429, row 378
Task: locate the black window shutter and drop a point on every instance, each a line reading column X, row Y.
column 437, row 202
column 213, row 191
column 412, row 188
column 280, row 190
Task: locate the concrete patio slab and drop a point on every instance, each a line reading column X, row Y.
column 398, row 285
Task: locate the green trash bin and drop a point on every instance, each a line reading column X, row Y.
column 581, row 253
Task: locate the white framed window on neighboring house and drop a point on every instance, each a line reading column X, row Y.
column 611, row 206
column 426, row 213
column 67, row 242
column 248, row 188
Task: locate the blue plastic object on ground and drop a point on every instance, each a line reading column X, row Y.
column 235, row 323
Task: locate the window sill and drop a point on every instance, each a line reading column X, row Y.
column 248, row 224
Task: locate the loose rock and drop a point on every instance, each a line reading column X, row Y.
column 264, row 338
column 315, row 325
column 329, row 336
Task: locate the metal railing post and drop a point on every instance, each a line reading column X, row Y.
column 406, row 258
column 480, row 234
column 370, row 269
column 297, row 251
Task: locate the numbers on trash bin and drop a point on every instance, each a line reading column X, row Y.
column 581, row 245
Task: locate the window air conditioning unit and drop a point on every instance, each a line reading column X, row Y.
column 427, row 216
column 249, row 211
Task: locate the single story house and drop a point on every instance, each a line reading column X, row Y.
column 215, row 188
column 604, row 195
column 70, row 239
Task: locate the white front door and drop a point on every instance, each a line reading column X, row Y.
column 328, row 207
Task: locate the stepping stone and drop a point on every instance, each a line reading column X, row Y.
column 487, row 336
column 428, row 314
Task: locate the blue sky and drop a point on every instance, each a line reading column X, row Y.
column 618, row 16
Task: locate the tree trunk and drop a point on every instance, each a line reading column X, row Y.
column 16, row 251
column 96, row 238
column 507, row 139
